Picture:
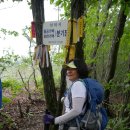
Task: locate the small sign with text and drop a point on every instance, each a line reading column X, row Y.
column 54, row 32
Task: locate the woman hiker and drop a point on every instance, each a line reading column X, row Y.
column 76, row 70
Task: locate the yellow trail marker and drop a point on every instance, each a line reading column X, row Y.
column 72, row 52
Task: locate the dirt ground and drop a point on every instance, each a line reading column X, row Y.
column 32, row 113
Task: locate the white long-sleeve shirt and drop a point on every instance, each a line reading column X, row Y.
column 78, row 92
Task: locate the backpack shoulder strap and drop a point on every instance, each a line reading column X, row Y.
column 68, row 91
column 92, row 98
column 89, row 102
column 87, row 82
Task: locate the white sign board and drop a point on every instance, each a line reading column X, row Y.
column 54, row 33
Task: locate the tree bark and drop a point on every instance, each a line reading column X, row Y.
column 46, row 72
column 111, row 65
column 38, row 17
column 126, row 98
column 77, row 10
column 119, row 28
column 49, row 88
column 61, row 92
column 99, row 37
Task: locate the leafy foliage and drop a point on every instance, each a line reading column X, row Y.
column 12, row 84
column 5, row 32
column 6, row 100
column 95, row 18
column 65, row 4
column 9, row 59
column 118, row 124
column 7, row 123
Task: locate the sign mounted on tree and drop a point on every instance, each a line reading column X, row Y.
column 54, row 32
column 33, row 31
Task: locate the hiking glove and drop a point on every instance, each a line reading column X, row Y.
column 48, row 118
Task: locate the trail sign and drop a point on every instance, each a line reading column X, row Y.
column 54, row 32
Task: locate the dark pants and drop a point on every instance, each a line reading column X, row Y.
column 46, row 126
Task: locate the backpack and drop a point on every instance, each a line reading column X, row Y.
column 95, row 116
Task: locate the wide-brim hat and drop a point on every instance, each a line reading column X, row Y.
column 70, row 65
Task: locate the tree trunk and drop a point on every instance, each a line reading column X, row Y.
column 99, row 37
column 61, row 92
column 46, row 72
column 111, row 65
column 77, row 10
column 49, row 88
column 126, row 98
column 38, row 17
column 119, row 28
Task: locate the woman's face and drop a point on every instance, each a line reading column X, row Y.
column 72, row 74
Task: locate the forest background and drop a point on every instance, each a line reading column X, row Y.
column 106, row 46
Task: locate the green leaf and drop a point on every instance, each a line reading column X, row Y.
column 6, row 100
column 127, row 10
column 58, row 2
column 51, row 1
